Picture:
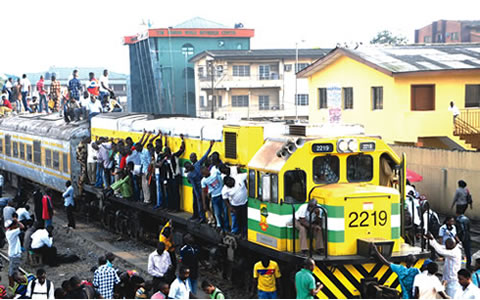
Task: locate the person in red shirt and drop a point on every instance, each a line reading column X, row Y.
column 47, row 209
column 42, row 93
column 5, row 106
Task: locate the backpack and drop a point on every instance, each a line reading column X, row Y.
column 49, row 284
column 469, row 198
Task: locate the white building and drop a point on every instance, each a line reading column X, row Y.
column 252, row 84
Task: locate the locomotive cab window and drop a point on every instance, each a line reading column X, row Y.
column 267, row 187
column 251, row 184
column 359, row 168
column 295, row 186
column 326, row 169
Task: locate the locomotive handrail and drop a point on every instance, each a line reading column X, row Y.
column 325, row 238
column 293, row 230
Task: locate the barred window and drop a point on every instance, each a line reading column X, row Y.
column 322, row 98
column 347, row 94
column 377, row 97
column 29, row 153
column 48, row 158
column 472, row 95
column 22, row 151
column 241, row 70
column 240, row 101
column 15, row 149
column 301, row 99
column 56, row 160
column 65, row 162
column 263, row 102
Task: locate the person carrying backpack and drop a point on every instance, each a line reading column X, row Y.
column 462, row 197
column 463, row 233
column 41, row 288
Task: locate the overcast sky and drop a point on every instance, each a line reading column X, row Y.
column 38, row 34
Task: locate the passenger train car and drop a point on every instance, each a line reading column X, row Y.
column 357, row 180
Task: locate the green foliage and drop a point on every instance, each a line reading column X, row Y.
column 386, row 37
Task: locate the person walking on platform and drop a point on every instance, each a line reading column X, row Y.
column 159, row 264
column 194, row 176
column 69, row 203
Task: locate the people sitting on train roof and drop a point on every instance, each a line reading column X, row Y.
column 5, row 106
column 72, row 111
column 303, row 215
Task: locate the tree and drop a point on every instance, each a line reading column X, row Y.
column 386, row 37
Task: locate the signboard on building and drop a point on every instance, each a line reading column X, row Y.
column 334, row 102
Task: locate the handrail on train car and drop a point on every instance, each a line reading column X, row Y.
column 294, row 238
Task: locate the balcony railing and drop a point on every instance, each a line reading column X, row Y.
column 228, row 77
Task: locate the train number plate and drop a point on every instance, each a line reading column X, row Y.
column 367, row 218
column 261, row 238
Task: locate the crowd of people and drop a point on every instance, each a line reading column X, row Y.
column 149, row 171
column 75, row 101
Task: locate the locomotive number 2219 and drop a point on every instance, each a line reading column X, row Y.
column 364, row 218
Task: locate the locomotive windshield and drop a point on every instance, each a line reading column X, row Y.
column 326, row 169
column 359, row 168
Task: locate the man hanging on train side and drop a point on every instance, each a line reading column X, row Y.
column 170, row 171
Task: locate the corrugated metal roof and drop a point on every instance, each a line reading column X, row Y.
column 413, row 58
column 408, row 58
column 261, row 54
column 198, row 22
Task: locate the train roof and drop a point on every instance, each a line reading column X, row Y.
column 213, row 129
column 51, row 126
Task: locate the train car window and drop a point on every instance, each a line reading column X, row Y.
column 266, row 187
column 251, row 184
column 29, row 152
column 15, row 149
column 48, row 158
column 295, row 186
column 259, row 185
column 359, row 168
column 37, row 152
column 22, row 151
column 65, row 162
column 1, row 146
column 56, row 160
column 326, row 169
column 8, row 145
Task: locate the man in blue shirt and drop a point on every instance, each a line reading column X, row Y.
column 195, row 178
column 476, row 274
column 69, row 203
column 213, row 180
column 406, row 275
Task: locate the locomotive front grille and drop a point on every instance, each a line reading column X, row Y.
column 231, row 145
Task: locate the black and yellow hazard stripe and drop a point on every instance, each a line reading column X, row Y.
column 344, row 281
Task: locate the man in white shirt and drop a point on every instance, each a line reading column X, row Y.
column 42, row 243
column 25, row 89
column 40, row 288
column 2, row 182
column 24, row 214
column 453, row 262
column 234, row 191
column 14, row 249
column 427, row 285
column 105, row 90
column 92, row 154
column 159, row 263
column 302, row 219
column 181, row 287
column 94, row 107
column 454, row 110
column 467, row 289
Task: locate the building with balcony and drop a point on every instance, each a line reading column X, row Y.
column 449, row 31
column 162, row 78
column 401, row 93
column 252, row 84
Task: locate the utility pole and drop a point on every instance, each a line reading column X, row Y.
column 213, row 88
column 296, row 70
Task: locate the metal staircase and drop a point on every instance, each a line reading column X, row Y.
column 467, row 127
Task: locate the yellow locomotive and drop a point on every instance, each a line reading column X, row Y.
column 357, row 180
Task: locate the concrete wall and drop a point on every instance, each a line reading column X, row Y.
column 441, row 170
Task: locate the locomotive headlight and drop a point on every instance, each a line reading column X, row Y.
column 353, row 145
column 342, row 146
